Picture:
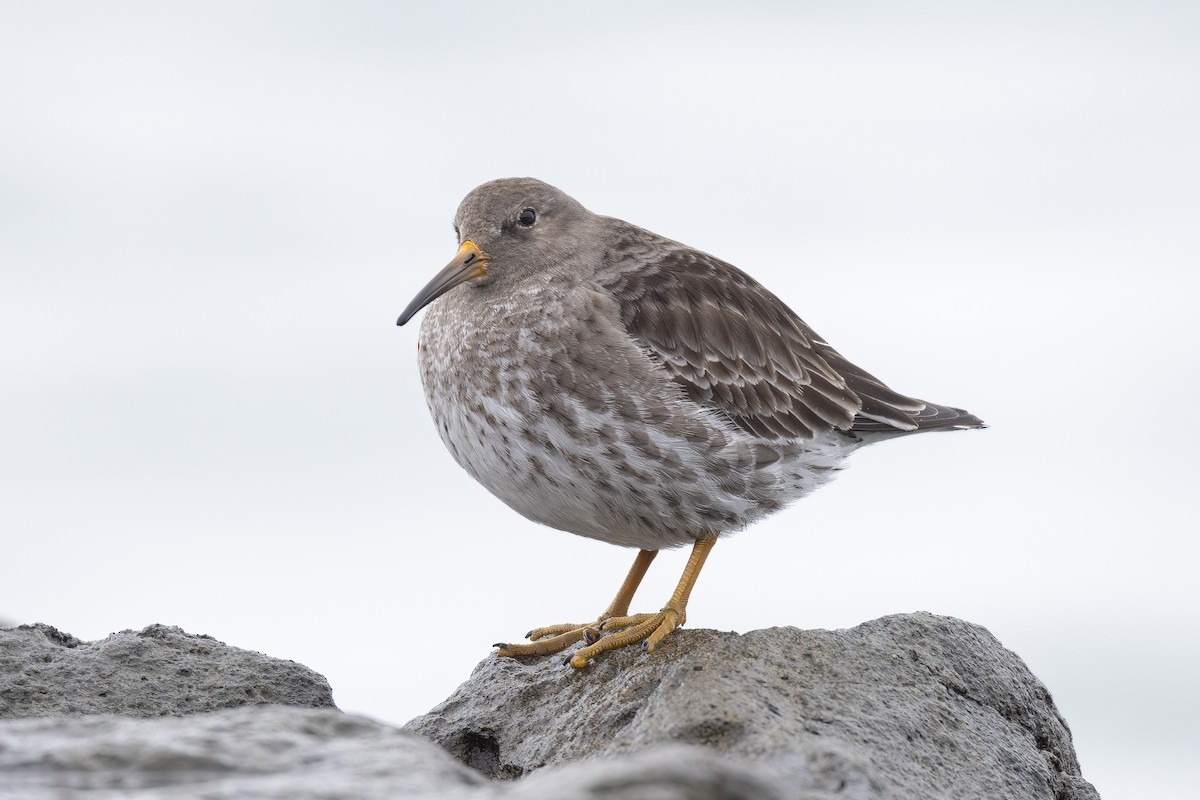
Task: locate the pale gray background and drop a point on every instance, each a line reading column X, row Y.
column 211, row 214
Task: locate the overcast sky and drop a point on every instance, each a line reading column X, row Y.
column 212, row 213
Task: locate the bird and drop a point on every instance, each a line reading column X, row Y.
column 612, row 383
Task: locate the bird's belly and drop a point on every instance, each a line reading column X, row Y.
column 572, row 479
column 634, row 465
column 599, row 475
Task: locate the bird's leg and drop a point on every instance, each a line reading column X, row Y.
column 650, row 629
column 618, row 608
column 556, row 638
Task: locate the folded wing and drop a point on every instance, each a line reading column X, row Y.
column 735, row 347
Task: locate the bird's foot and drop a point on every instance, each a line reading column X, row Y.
column 556, row 638
column 649, row 629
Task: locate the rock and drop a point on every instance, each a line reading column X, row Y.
column 158, row 671
column 908, row 706
column 912, row 706
column 682, row 772
column 250, row 752
column 289, row 753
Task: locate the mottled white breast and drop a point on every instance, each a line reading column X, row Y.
column 547, row 402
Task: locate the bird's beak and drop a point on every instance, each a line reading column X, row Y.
column 469, row 262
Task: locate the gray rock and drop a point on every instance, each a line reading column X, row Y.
column 686, row 772
column 910, row 706
column 288, row 753
column 904, row 707
column 253, row 752
column 159, row 670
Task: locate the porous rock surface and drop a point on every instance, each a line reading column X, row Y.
column 908, row 706
column 273, row 752
column 913, row 706
column 158, row 670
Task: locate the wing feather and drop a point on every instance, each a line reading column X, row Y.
column 735, row 347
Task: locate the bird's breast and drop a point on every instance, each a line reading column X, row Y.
column 551, row 406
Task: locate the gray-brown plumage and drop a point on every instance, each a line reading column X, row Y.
column 613, row 383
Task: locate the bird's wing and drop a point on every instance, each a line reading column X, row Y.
column 735, row 347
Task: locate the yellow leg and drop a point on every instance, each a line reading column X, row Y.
column 650, row 629
column 556, row 638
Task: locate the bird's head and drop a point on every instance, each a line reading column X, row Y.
column 507, row 229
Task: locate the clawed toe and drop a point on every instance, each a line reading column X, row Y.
column 544, row 644
column 616, row 623
column 552, row 630
column 649, row 629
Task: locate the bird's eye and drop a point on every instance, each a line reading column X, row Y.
column 527, row 217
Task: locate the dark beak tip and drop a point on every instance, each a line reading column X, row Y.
column 407, row 314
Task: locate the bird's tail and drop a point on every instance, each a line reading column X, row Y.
column 931, row 418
